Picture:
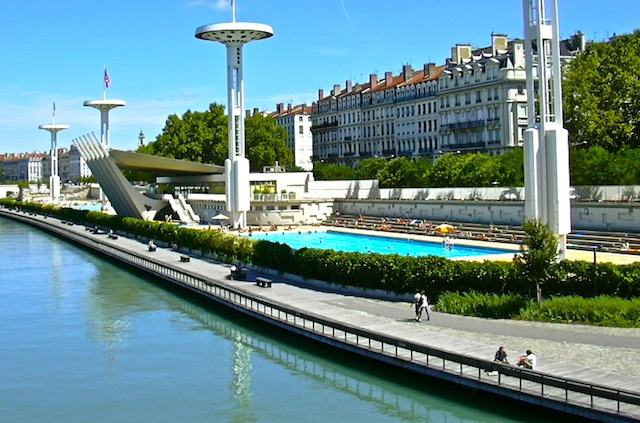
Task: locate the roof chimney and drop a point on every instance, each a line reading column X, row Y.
column 336, row 90
column 289, row 107
column 499, row 44
column 280, row 107
column 320, row 94
column 373, row 80
column 407, row 72
column 349, row 85
column 460, row 53
column 518, row 54
column 429, row 69
column 388, row 77
column 579, row 42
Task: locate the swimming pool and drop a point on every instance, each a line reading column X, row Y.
column 339, row 241
column 89, row 207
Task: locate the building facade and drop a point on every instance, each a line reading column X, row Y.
column 475, row 102
column 71, row 166
column 296, row 120
column 77, row 166
column 23, row 167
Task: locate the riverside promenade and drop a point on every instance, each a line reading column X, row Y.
column 453, row 348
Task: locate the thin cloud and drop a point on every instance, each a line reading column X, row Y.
column 218, row 4
column 344, row 9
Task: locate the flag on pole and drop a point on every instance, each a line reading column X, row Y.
column 107, row 80
column 54, row 109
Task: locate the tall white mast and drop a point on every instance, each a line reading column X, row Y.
column 234, row 36
column 546, row 147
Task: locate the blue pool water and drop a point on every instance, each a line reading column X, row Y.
column 372, row 244
column 90, row 207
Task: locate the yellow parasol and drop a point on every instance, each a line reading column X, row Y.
column 444, row 228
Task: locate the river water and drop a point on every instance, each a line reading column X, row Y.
column 87, row 340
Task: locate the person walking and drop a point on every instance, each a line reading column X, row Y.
column 417, row 301
column 424, row 305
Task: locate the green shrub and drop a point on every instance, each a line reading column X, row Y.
column 599, row 311
column 477, row 304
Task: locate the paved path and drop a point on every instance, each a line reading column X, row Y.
column 609, row 349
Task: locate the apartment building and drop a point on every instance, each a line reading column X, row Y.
column 475, row 102
column 35, row 167
column 296, row 120
column 25, row 167
column 76, row 166
column 482, row 99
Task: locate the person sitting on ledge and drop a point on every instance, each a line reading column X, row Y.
column 528, row 361
column 501, row 356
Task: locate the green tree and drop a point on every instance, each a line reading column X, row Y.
column 538, row 254
column 446, row 171
column 424, row 168
column 202, row 137
column 597, row 166
column 368, row 168
column 470, row 170
column 511, row 168
column 628, row 159
column 399, row 173
column 87, row 180
column 195, row 136
column 478, row 170
column 602, row 94
column 332, row 172
column 266, row 143
column 592, row 166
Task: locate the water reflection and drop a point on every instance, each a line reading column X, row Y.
column 391, row 395
column 241, row 382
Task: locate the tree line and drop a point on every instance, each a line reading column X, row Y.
column 590, row 166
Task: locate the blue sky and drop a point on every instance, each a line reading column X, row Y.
column 56, row 52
